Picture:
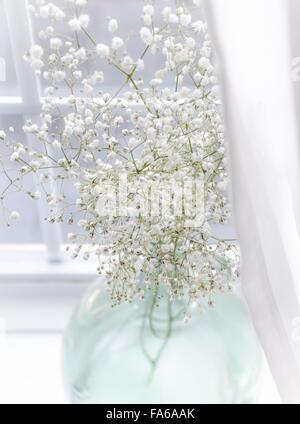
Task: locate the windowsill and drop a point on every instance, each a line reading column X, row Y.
column 29, row 264
column 38, row 308
column 42, row 271
column 36, row 295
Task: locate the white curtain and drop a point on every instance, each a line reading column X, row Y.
column 253, row 43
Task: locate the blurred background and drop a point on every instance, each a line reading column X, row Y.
column 39, row 284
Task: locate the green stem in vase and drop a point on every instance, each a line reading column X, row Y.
column 148, row 319
column 164, row 344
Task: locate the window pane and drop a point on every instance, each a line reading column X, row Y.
column 8, row 79
column 128, row 14
column 27, row 228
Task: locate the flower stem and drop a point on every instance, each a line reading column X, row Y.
column 149, row 317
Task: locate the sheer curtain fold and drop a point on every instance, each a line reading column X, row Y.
column 252, row 40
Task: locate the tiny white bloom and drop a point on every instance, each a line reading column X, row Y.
column 146, row 35
column 81, row 54
column 75, row 24
column 59, row 15
column 36, row 195
column 197, row 77
column 147, row 20
column 185, row 19
column 198, row 26
column 37, row 64
column 149, row 10
column 127, row 63
column 102, row 50
column 14, row 216
column 55, row 43
column 45, row 11
column 113, row 25
column 77, row 74
column 140, row 65
column 36, row 52
column 204, row 62
column 190, row 42
column 15, row 156
column 59, row 76
column 84, row 20
column 117, row 43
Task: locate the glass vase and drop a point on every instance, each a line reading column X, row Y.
column 141, row 353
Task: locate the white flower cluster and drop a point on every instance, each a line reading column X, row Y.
column 164, row 129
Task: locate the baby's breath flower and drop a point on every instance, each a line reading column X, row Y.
column 185, row 19
column 149, row 10
column 14, row 216
column 59, row 76
column 113, row 25
column 117, row 43
column 55, row 43
column 140, row 65
column 35, row 57
column 147, row 20
column 102, row 50
column 15, row 156
column 76, row 24
column 146, row 35
column 45, row 11
column 162, row 128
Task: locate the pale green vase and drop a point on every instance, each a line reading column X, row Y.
column 215, row 358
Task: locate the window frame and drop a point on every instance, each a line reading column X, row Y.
column 28, row 104
column 39, row 284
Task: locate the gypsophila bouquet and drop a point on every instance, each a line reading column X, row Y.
column 147, row 159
